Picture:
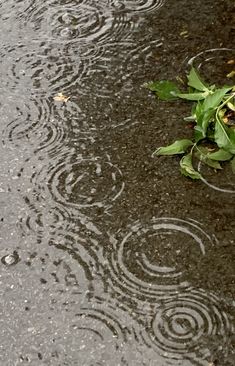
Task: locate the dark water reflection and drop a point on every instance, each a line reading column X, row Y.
column 109, row 257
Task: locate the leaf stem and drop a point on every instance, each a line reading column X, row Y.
column 224, row 103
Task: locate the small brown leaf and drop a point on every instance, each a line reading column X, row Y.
column 231, row 62
column 225, row 120
column 60, row 97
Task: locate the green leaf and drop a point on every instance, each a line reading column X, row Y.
column 224, row 136
column 205, row 110
column 198, row 134
column 187, row 168
column 165, row 90
column 199, row 111
column 233, row 164
column 207, row 117
column 192, row 96
column 220, row 155
column 212, row 163
column 195, row 82
column 204, row 158
column 203, row 155
column 213, row 100
column 178, row 147
column 203, row 119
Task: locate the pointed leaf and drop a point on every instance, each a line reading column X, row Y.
column 213, row 100
column 165, row 90
column 212, row 163
column 205, row 111
column 178, row 147
column 187, row 168
column 192, row 96
column 202, row 154
column 207, row 117
column 224, row 136
column 195, row 82
column 220, row 155
column 199, row 111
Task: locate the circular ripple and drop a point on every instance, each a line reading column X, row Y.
column 39, row 220
column 76, row 21
column 222, row 181
column 140, row 6
column 44, row 68
column 188, row 327
column 81, row 183
column 56, row 190
column 106, row 336
column 65, row 269
column 153, row 259
column 33, row 121
column 213, row 63
column 132, row 58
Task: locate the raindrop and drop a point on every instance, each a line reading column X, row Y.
column 10, row 259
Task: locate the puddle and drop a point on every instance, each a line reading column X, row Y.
column 108, row 255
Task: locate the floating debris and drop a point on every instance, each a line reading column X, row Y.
column 231, row 74
column 60, row 97
column 184, row 34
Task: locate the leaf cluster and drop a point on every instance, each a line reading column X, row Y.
column 213, row 116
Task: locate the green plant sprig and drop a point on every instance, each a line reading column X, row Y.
column 213, row 114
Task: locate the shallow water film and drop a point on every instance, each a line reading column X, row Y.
column 108, row 255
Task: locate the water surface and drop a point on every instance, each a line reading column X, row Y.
column 109, row 256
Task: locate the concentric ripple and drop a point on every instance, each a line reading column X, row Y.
column 44, row 68
column 81, row 183
column 50, row 198
column 153, row 259
column 133, row 59
column 106, row 336
column 76, row 21
column 213, row 63
column 138, row 6
column 41, row 219
column 64, row 269
column 33, row 121
column 189, row 327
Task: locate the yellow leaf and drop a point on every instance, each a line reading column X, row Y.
column 184, row 33
column 231, row 74
column 60, row 97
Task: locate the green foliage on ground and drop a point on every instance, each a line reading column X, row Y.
column 213, row 118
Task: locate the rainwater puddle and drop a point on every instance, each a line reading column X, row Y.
column 108, row 256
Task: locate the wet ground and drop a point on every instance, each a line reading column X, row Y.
column 109, row 256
